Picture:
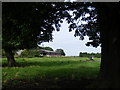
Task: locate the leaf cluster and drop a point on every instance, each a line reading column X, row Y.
column 61, row 51
column 26, row 24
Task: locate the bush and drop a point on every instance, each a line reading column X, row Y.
column 61, row 51
column 46, row 48
column 85, row 54
column 30, row 53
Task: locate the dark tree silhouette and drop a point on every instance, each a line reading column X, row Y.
column 109, row 16
column 26, row 24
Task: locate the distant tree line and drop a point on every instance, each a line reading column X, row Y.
column 85, row 54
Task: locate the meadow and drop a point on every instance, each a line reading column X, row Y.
column 50, row 72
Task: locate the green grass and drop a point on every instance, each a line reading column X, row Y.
column 36, row 72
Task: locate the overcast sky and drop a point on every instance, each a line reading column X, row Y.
column 71, row 45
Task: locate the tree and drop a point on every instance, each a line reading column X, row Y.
column 26, row 24
column 103, row 29
column 106, row 33
column 61, row 51
column 109, row 16
column 47, row 48
column 22, row 30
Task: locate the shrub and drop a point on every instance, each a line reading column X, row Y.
column 30, row 53
column 85, row 54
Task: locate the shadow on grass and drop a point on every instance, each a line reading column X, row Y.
column 48, row 83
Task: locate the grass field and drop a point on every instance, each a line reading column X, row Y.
column 50, row 72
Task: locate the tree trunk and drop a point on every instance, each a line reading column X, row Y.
column 10, row 57
column 109, row 76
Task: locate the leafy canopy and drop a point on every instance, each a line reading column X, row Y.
column 61, row 51
column 25, row 24
column 47, row 48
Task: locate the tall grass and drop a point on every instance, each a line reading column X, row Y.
column 44, row 68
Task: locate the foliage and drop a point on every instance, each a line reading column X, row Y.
column 30, row 53
column 36, row 23
column 23, row 27
column 55, row 69
column 61, row 51
column 47, row 48
column 85, row 54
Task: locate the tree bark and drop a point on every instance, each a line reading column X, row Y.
column 109, row 76
column 10, row 57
